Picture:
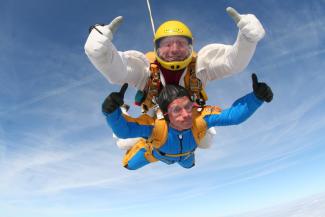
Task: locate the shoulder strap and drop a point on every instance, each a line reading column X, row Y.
column 159, row 133
column 142, row 120
column 153, row 85
column 193, row 84
column 199, row 127
column 151, row 56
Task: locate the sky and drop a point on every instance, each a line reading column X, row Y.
column 57, row 154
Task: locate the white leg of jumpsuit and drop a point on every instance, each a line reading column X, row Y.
column 207, row 141
column 125, row 144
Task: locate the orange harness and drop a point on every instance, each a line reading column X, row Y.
column 147, row 97
column 159, row 133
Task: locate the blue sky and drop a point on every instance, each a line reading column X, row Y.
column 57, row 155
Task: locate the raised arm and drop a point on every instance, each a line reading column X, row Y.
column 117, row 67
column 244, row 107
column 124, row 126
column 217, row 61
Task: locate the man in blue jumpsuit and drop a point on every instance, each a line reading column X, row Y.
column 183, row 126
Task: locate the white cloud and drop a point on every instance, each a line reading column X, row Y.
column 313, row 206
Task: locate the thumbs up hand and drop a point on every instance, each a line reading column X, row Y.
column 108, row 30
column 114, row 100
column 100, row 36
column 261, row 90
column 248, row 25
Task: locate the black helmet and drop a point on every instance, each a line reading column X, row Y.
column 168, row 94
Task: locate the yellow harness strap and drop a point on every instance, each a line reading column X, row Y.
column 143, row 119
column 199, row 128
column 159, row 133
column 176, row 155
column 191, row 83
column 199, row 125
column 152, row 87
column 159, row 137
column 134, row 150
column 151, row 56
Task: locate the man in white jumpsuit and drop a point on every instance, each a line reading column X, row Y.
column 173, row 54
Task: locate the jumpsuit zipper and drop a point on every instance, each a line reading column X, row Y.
column 180, row 137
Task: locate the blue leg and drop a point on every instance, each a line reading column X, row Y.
column 187, row 162
column 137, row 161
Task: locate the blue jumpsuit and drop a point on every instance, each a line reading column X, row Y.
column 178, row 142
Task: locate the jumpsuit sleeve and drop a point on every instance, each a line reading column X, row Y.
column 217, row 61
column 118, row 67
column 125, row 127
column 240, row 111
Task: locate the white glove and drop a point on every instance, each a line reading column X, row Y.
column 100, row 37
column 248, row 25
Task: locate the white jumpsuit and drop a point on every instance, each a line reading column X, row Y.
column 214, row 62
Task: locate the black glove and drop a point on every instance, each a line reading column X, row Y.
column 114, row 100
column 261, row 90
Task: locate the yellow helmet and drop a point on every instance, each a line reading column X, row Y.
column 173, row 28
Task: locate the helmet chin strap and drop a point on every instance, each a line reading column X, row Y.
column 151, row 19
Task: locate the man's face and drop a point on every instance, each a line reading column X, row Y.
column 174, row 48
column 180, row 113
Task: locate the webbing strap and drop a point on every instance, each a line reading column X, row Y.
column 174, row 155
